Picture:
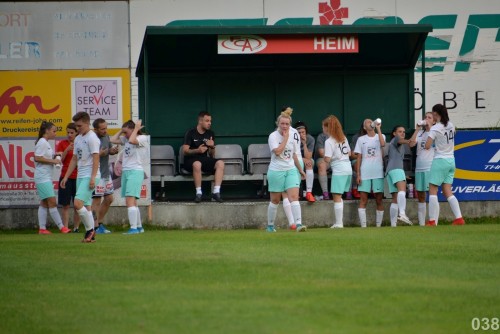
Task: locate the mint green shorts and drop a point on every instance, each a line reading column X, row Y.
column 375, row 185
column 45, row 190
column 422, row 181
column 442, row 171
column 393, row 177
column 280, row 181
column 132, row 183
column 83, row 192
column 341, row 184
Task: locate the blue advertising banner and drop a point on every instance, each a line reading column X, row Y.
column 477, row 158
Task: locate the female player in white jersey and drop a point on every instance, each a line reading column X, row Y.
column 337, row 154
column 44, row 166
column 135, row 153
column 442, row 135
column 283, row 170
column 396, row 177
column 370, row 170
column 423, row 163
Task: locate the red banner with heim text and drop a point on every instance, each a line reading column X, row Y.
column 274, row 44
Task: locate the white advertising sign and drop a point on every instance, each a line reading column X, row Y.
column 17, row 170
column 462, row 53
column 64, row 35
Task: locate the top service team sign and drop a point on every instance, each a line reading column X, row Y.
column 99, row 97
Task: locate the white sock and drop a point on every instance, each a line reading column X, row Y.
column 56, row 217
column 42, row 218
column 139, row 221
column 394, row 214
column 309, row 180
column 132, row 216
column 297, row 213
column 338, row 208
column 323, row 182
column 421, row 213
column 198, row 190
column 288, row 211
column 85, row 218
column 362, row 216
column 433, row 208
column 380, row 218
column 216, row 189
column 402, row 203
column 455, row 208
column 272, row 209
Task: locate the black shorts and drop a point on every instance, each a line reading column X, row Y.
column 207, row 164
column 66, row 195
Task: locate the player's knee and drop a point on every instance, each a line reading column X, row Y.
column 219, row 164
column 197, row 166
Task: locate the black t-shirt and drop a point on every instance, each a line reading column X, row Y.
column 195, row 139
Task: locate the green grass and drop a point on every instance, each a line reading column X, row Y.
column 403, row 280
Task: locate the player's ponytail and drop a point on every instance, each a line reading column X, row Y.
column 442, row 112
column 43, row 129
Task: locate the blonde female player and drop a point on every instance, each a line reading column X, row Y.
column 442, row 135
column 44, row 166
column 136, row 153
column 423, row 163
column 396, row 177
column 337, row 154
column 283, row 170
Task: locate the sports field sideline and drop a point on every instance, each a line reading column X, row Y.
column 402, row 280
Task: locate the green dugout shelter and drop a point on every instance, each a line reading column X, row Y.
column 244, row 75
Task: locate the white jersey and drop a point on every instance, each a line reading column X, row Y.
column 43, row 172
column 424, row 157
column 372, row 164
column 84, row 147
column 299, row 153
column 339, row 154
column 284, row 161
column 444, row 140
column 134, row 156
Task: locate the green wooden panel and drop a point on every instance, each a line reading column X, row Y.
column 376, row 95
column 174, row 103
column 242, row 104
column 313, row 95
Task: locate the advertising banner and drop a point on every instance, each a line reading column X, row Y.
column 17, row 170
column 29, row 97
column 462, row 57
column 477, row 158
column 267, row 44
column 64, row 35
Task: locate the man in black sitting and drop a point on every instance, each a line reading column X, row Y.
column 199, row 152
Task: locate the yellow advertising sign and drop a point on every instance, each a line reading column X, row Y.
column 29, row 97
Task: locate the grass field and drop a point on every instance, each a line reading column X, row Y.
column 403, row 280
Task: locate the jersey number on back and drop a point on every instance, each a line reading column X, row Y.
column 449, row 136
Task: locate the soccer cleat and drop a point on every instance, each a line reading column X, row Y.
column 140, row 229
column 132, row 231
column 355, row 193
column 310, row 197
column 65, row 230
column 216, row 198
column 431, row 223
column 75, row 230
column 292, row 227
column 326, row 195
column 102, row 230
column 458, row 221
column 405, row 219
column 197, row 199
column 336, row 226
column 44, row 231
column 301, row 228
column 89, row 236
column 270, row 228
